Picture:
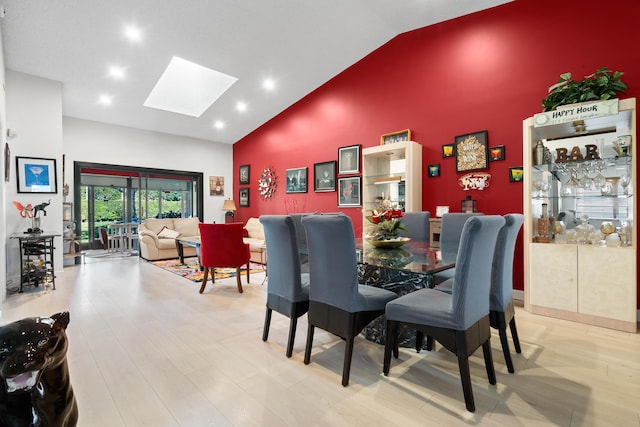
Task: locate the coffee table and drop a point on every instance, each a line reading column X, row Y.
column 193, row 241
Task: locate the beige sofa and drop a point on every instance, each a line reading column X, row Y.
column 255, row 238
column 154, row 247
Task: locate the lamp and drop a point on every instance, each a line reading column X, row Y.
column 229, row 206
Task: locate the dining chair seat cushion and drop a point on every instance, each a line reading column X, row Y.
column 426, row 306
column 446, row 286
column 371, row 298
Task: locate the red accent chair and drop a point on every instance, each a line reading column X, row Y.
column 221, row 245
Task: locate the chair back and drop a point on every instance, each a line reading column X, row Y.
column 416, row 226
column 472, row 280
column 221, row 245
column 301, row 237
column 450, row 231
column 331, row 242
column 282, row 251
column 502, row 270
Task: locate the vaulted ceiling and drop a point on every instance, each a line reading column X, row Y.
column 298, row 44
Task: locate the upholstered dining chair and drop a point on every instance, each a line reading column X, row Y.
column 450, row 231
column 221, row 245
column 337, row 302
column 460, row 320
column 501, row 311
column 416, row 226
column 287, row 288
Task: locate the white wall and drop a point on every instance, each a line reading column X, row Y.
column 3, row 201
column 95, row 142
column 34, row 111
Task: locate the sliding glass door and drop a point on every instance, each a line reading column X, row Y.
column 108, row 194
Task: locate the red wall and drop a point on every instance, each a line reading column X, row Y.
column 486, row 71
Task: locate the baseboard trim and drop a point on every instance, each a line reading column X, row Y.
column 519, row 296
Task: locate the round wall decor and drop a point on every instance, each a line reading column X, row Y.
column 267, row 183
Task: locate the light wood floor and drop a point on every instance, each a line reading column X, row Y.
column 147, row 350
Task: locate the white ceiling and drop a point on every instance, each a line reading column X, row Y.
column 301, row 44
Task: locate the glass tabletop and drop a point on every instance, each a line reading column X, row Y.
column 415, row 257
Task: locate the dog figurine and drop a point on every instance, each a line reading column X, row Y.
column 36, row 390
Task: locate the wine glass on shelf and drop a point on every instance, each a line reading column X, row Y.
column 569, row 187
column 625, row 180
column 600, row 180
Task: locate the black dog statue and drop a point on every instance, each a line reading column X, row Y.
column 35, row 389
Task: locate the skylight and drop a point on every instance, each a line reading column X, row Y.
column 188, row 88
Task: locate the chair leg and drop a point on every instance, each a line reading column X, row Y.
column 346, row 367
column 429, row 343
column 204, row 279
column 238, row 279
column 267, row 323
column 505, row 349
column 419, row 341
column 307, row 349
column 389, row 344
column 488, row 361
column 465, row 378
column 248, row 272
column 292, row 334
column 514, row 335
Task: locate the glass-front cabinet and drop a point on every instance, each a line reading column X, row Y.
column 392, row 172
column 580, row 208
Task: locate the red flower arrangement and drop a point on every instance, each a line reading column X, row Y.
column 387, row 222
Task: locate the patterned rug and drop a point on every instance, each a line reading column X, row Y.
column 191, row 269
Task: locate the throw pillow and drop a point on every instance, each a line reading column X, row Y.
column 167, row 233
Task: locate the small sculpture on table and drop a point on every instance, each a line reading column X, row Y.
column 33, row 213
column 36, row 390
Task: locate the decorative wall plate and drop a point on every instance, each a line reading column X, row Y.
column 267, row 183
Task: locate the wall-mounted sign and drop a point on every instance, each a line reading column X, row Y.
column 474, row 181
column 585, row 110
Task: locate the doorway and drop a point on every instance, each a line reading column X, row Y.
column 108, row 194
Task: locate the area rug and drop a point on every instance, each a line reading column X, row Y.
column 191, row 269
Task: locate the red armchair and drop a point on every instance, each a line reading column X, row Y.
column 221, row 245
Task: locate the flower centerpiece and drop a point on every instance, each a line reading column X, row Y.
column 387, row 222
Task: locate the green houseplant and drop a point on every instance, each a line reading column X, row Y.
column 599, row 86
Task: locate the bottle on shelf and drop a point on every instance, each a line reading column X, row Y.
column 544, row 226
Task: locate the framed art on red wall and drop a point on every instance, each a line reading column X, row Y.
column 472, row 151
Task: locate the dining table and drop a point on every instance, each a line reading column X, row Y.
column 401, row 270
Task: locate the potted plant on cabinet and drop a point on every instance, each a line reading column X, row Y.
column 602, row 85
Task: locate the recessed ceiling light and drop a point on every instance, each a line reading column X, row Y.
column 116, row 72
column 105, row 99
column 188, row 88
column 269, row 84
column 241, row 106
column 218, row 124
column 133, row 33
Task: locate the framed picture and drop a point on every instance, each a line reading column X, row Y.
column 448, row 150
column 244, row 174
column 349, row 159
column 36, row 175
column 244, row 197
column 324, row 176
column 392, row 138
column 349, row 191
column 496, row 153
column 433, row 170
column 516, row 174
column 296, row 180
column 472, row 151
column 216, row 185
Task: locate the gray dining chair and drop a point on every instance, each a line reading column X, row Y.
column 460, row 320
column 450, row 231
column 337, row 302
column 287, row 287
column 416, row 226
column 301, row 237
column 501, row 310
